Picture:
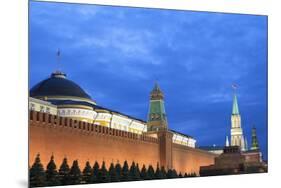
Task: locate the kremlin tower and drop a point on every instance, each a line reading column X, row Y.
column 157, row 119
column 237, row 138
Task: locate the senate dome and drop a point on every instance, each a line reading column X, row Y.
column 60, row 88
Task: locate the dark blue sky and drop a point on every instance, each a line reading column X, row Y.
column 117, row 53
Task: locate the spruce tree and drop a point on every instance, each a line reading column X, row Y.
column 37, row 173
column 170, row 174
column 158, row 174
column 133, row 173
column 52, row 176
column 185, row 175
column 103, row 176
column 180, row 175
column 138, row 171
column 193, row 174
column 87, row 173
column 143, row 174
column 112, row 173
column 64, row 172
column 75, row 174
column 118, row 170
column 175, row 174
column 94, row 175
column 163, row 172
column 125, row 172
column 150, row 172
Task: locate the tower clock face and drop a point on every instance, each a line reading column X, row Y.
column 157, row 116
column 154, row 116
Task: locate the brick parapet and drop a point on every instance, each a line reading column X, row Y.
column 45, row 119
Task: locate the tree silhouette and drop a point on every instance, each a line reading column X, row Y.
column 37, row 173
column 87, row 173
column 52, row 176
column 125, row 172
column 150, row 172
column 163, row 172
column 64, row 172
column 138, row 171
column 118, row 170
column 170, row 174
column 180, row 175
column 112, row 173
column 143, row 174
column 158, row 173
column 175, row 174
column 103, row 174
column 185, row 175
column 95, row 172
column 75, row 173
column 133, row 173
column 193, row 174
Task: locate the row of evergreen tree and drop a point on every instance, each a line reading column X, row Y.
column 97, row 174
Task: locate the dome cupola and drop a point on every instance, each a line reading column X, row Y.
column 57, row 86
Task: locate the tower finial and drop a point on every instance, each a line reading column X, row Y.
column 234, row 87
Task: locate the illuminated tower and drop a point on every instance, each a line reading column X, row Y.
column 237, row 138
column 226, row 141
column 255, row 145
column 157, row 119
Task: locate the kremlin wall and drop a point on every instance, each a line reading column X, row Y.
column 66, row 122
column 64, row 137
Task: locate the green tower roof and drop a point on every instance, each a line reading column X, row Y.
column 255, row 144
column 156, row 93
column 235, row 109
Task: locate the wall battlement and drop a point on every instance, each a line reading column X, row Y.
column 40, row 119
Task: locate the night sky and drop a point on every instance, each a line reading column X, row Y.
column 117, row 53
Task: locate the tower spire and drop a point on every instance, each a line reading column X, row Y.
column 235, row 109
column 237, row 138
column 226, row 141
column 246, row 143
column 255, row 145
column 156, row 93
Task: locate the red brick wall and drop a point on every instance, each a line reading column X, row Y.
column 187, row 159
column 83, row 141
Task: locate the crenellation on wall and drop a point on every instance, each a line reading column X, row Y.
column 53, row 120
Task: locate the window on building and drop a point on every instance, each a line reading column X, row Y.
column 32, row 106
column 47, row 110
column 41, row 108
